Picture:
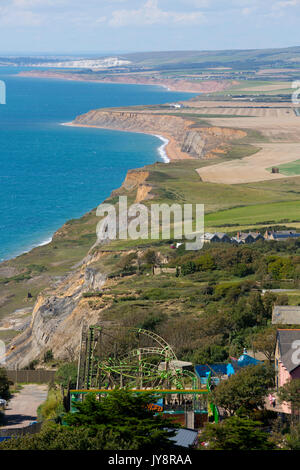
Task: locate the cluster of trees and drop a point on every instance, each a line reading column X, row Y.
column 239, row 318
column 121, row 421
column 249, row 426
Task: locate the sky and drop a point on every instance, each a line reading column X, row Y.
column 101, row 26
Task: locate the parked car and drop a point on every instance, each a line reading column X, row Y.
column 3, row 403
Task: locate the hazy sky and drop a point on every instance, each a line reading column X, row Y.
column 61, row 26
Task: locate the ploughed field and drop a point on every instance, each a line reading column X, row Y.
column 274, row 128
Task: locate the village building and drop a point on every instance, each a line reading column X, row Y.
column 282, row 235
column 287, row 360
column 250, row 237
column 217, row 237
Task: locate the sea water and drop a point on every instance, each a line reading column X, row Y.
column 50, row 173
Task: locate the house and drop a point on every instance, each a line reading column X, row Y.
column 287, row 359
column 217, row 237
column 176, row 105
column 249, row 237
column 286, row 315
column 236, row 241
column 282, row 235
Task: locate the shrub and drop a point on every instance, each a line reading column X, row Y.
column 66, row 375
column 48, row 356
column 53, row 405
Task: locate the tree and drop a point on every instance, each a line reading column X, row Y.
column 66, row 375
column 120, row 421
column 126, row 261
column 205, row 263
column 257, row 307
column 290, row 393
column 129, row 415
column 264, row 342
column 269, row 300
column 188, row 268
column 281, row 268
column 150, row 257
column 292, row 440
column 236, row 433
column 244, row 390
column 4, row 385
column 57, row 437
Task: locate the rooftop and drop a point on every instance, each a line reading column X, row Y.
column 286, row 315
column 285, row 339
column 185, row 437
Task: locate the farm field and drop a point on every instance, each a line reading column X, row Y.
column 252, row 168
column 272, row 213
column 289, row 169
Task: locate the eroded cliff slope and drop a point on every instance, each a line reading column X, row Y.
column 187, row 139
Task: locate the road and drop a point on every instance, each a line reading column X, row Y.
column 22, row 408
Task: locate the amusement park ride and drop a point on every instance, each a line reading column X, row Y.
column 138, row 360
column 149, row 365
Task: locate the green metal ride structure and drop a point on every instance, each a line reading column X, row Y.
column 135, row 358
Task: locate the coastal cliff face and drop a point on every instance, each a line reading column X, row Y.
column 136, row 179
column 57, row 318
column 59, row 313
column 135, row 122
column 187, row 140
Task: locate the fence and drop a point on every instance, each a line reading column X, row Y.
column 38, row 376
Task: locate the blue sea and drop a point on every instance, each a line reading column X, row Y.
column 50, row 173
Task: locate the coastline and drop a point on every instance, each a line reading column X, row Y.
column 180, row 85
column 162, row 151
column 168, row 150
column 45, row 242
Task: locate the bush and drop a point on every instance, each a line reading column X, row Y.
column 150, row 257
column 188, row 268
column 4, row 385
column 48, row 356
column 237, row 434
column 66, row 375
column 53, row 405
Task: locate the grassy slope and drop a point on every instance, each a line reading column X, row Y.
column 246, row 206
column 237, row 206
column 289, row 169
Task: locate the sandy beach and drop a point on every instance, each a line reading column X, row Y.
column 169, row 151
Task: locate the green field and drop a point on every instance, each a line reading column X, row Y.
column 289, row 169
column 277, row 212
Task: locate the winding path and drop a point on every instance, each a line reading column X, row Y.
column 22, row 408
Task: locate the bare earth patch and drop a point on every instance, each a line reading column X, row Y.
column 277, row 124
column 252, row 168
